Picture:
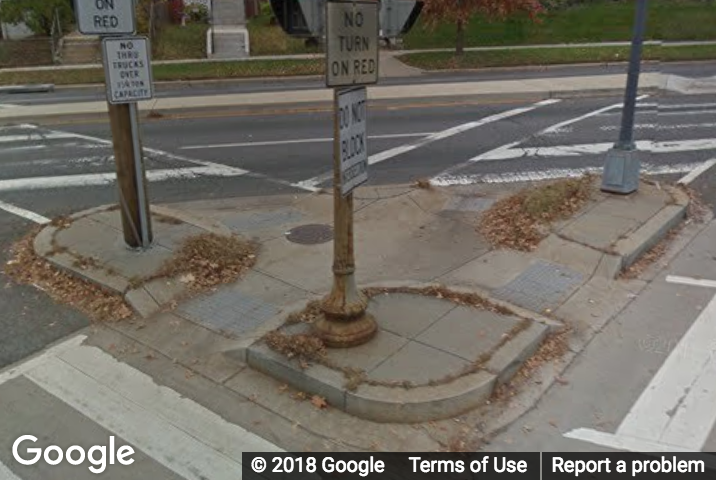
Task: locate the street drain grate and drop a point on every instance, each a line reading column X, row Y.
column 313, row 234
column 541, row 287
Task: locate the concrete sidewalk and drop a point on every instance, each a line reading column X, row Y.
column 423, row 365
column 532, row 89
column 309, row 56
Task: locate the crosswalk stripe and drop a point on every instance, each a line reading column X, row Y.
column 26, row 214
column 6, row 474
column 99, row 179
column 24, row 367
column 670, row 146
column 675, row 411
column 165, row 443
column 656, row 126
column 677, row 406
column 35, row 136
column 661, row 112
column 175, row 431
column 312, row 183
column 550, row 174
column 299, row 141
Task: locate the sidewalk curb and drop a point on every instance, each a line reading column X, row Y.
column 298, row 105
column 140, row 299
column 38, row 88
column 546, row 377
column 653, row 231
column 395, row 404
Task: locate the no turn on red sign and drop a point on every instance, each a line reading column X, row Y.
column 105, row 17
column 351, row 43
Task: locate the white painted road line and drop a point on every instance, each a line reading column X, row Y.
column 659, row 112
column 656, row 126
column 6, row 474
column 17, row 370
column 694, row 282
column 508, row 152
column 312, row 183
column 185, row 437
column 167, row 444
column 26, row 214
column 555, row 129
column 697, row 172
column 677, row 408
column 99, row 179
column 210, row 166
column 663, row 106
column 550, row 174
column 35, row 137
column 574, row 120
column 274, row 143
column 622, row 442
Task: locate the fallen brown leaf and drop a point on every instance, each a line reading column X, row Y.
column 319, row 402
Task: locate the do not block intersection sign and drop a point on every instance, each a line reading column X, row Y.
column 352, row 143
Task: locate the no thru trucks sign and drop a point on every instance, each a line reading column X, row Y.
column 127, row 70
column 351, row 43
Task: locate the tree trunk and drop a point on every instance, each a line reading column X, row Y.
column 460, row 38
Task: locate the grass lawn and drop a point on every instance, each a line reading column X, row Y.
column 553, row 56
column 177, row 43
column 592, row 21
column 186, row 71
column 269, row 39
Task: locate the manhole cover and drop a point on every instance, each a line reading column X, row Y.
column 310, row 234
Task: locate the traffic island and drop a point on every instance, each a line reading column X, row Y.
column 438, row 353
column 188, row 256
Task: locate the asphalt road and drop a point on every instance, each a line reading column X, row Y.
column 203, row 87
column 59, row 169
column 52, row 171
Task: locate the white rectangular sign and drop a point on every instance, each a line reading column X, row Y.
column 127, row 69
column 106, row 17
column 351, row 43
column 352, row 147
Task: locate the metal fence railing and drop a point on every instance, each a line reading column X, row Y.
column 56, row 37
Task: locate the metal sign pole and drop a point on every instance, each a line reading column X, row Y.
column 116, row 23
column 622, row 166
column 140, row 176
column 345, row 322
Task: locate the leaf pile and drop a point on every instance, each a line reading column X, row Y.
column 439, row 291
column 307, row 315
column 522, row 220
column 209, row 259
column 300, row 346
column 27, row 268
